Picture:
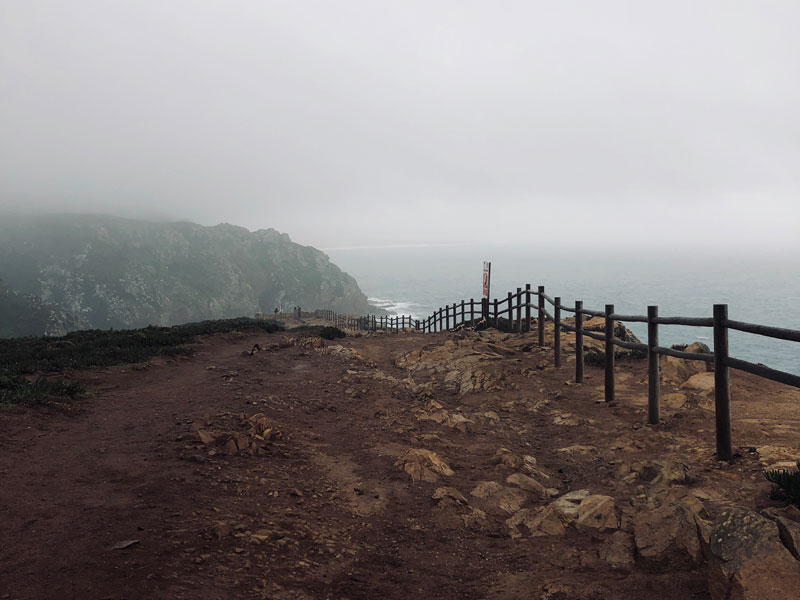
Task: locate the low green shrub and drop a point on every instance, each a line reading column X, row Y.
column 98, row 348
column 787, row 483
column 331, row 333
column 16, row 389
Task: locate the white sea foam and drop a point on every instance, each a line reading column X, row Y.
column 396, row 307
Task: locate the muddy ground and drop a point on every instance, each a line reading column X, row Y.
column 286, row 473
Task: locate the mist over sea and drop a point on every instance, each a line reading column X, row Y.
column 417, row 280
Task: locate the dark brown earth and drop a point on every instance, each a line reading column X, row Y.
column 319, row 508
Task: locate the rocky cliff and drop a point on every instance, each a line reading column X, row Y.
column 81, row 271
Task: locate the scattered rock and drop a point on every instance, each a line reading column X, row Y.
column 577, row 449
column 423, row 465
column 748, row 559
column 499, row 499
column 528, row 484
column 124, row 544
column 543, row 520
column 700, row 382
column 223, row 529
column 567, row 505
column 662, row 472
column 597, row 512
column 525, row 464
column 450, row 494
column 204, row 436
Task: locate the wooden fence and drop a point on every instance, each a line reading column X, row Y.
column 517, row 308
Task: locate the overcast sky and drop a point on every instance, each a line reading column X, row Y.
column 366, row 122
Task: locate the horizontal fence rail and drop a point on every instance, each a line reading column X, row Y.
column 515, row 314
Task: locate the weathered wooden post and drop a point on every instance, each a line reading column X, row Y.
column 447, row 317
column 557, row 331
column 471, row 310
column 722, row 391
column 455, row 314
column 578, row 341
column 653, row 369
column 540, row 317
column 510, row 315
column 527, row 307
column 463, row 312
column 519, row 310
column 496, row 316
column 609, row 353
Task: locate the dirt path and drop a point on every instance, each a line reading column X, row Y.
column 296, row 491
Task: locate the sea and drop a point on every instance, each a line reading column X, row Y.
column 416, row 280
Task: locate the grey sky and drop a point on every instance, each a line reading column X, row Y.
column 364, row 122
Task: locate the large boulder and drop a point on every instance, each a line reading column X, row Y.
column 594, row 350
column 671, row 537
column 748, row 559
column 678, row 370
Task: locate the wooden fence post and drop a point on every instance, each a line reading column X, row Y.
column 519, row 310
column 578, row 341
column 496, row 316
column 510, row 315
column 463, row 314
column 455, row 313
column 447, row 317
column 609, row 353
column 471, row 311
column 557, row 331
column 722, row 391
column 653, row 369
column 540, row 317
column 527, row 307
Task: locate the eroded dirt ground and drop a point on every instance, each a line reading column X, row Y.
column 378, row 466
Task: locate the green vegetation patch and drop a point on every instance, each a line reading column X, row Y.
column 97, row 348
column 16, row 389
column 787, row 484
column 331, row 333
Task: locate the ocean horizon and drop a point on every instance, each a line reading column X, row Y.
column 418, row 279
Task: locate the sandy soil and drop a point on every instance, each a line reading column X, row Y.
column 124, row 497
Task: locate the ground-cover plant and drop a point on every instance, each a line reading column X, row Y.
column 787, row 483
column 93, row 348
column 16, row 389
column 331, row 333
